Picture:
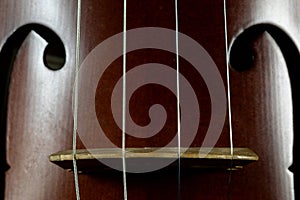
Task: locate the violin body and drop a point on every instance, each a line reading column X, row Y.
column 38, row 46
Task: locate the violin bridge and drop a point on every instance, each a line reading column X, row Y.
column 90, row 160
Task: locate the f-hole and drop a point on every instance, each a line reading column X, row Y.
column 242, row 57
column 54, row 58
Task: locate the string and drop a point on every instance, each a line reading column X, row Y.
column 228, row 96
column 178, row 100
column 75, row 105
column 124, row 101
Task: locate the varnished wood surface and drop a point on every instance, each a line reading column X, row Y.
column 39, row 118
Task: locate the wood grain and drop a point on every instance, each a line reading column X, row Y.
column 37, row 119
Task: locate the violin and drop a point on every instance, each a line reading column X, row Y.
column 150, row 99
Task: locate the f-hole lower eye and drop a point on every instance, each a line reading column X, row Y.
column 241, row 55
column 54, row 56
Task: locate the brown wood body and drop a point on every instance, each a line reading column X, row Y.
column 36, row 101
